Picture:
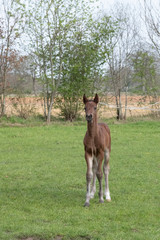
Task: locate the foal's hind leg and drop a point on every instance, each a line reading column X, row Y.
column 100, row 176
column 106, row 173
column 93, row 189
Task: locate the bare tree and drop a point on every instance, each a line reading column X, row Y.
column 123, row 45
column 9, row 33
column 151, row 17
column 47, row 29
column 152, row 22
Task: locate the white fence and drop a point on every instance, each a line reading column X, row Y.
column 146, row 108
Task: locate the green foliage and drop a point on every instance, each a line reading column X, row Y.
column 69, row 107
column 84, row 55
column 145, row 72
column 43, row 184
column 69, row 47
column 78, row 67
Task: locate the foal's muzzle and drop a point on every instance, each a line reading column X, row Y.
column 89, row 117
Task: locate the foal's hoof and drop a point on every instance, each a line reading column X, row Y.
column 101, row 201
column 108, row 199
column 91, row 196
column 86, row 204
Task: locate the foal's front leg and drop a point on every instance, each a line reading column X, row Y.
column 93, row 189
column 89, row 175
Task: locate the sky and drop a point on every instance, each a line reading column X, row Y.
column 106, row 4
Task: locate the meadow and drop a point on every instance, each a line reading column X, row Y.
column 43, row 185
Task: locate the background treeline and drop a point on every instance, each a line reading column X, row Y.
column 62, row 49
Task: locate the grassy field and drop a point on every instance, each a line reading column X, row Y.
column 43, row 187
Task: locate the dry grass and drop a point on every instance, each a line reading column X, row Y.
column 34, row 105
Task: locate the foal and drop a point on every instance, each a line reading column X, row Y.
column 97, row 146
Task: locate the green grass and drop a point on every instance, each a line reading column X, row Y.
column 42, row 184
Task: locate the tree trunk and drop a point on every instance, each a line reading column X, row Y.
column 126, row 102
column 34, row 83
column 3, row 104
column 120, row 106
column 117, row 104
column 3, row 96
column 45, row 112
column 50, row 107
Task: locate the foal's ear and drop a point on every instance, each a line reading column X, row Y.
column 96, row 99
column 85, row 100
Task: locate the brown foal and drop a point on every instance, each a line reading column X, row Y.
column 97, row 146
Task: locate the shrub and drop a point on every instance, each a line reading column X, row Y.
column 23, row 107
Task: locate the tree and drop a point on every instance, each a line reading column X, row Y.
column 80, row 62
column 65, row 52
column 44, row 30
column 50, row 25
column 145, row 72
column 21, row 76
column 9, row 33
column 152, row 22
column 83, row 60
column 122, row 44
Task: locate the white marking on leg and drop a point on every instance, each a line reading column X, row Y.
column 100, row 176
column 93, row 189
column 89, row 176
column 106, row 173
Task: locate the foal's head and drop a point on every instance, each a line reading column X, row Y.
column 90, row 107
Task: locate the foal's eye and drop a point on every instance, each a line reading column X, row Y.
column 95, row 108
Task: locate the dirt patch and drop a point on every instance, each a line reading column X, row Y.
column 30, row 238
column 81, row 238
column 58, row 238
